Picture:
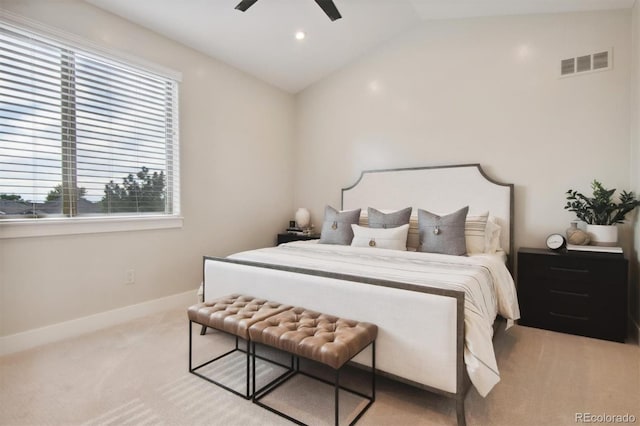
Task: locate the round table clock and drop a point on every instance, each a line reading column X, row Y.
column 556, row 242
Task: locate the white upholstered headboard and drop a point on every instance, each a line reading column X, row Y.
column 439, row 189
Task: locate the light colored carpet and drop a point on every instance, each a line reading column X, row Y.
column 136, row 374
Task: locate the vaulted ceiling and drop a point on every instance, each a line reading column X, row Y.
column 262, row 42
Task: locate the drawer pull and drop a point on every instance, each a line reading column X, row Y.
column 569, row 316
column 569, row 293
column 579, row 271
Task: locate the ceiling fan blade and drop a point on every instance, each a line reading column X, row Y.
column 245, row 4
column 330, row 9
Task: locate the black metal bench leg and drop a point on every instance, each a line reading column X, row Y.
column 190, row 344
column 194, row 369
column 253, row 371
column 373, row 371
column 337, row 397
column 295, row 369
column 248, row 361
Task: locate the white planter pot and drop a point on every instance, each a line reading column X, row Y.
column 603, row 235
column 303, row 218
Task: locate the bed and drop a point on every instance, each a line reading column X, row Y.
column 435, row 312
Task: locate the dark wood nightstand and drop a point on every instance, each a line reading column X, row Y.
column 287, row 238
column 575, row 292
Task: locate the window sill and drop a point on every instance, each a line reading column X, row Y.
column 79, row 225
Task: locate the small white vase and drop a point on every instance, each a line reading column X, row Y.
column 603, row 235
column 303, row 218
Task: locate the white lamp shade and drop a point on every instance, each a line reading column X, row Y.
column 303, row 218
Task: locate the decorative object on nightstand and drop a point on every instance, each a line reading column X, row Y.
column 600, row 212
column 577, row 236
column 603, row 235
column 303, row 218
column 556, row 242
column 577, row 292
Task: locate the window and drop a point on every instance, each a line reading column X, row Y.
column 83, row 135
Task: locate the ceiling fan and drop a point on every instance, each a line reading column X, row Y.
column 326, row 5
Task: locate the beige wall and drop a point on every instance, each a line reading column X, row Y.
column 236, row 150
column 635, row 161
column 480, row 90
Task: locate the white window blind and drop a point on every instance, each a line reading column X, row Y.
column 82, row 134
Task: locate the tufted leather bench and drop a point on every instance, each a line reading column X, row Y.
column 322, row 338
column 234, row 315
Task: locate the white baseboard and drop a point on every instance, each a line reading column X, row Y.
column 64, row 330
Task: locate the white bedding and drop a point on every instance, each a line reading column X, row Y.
column 488, row 287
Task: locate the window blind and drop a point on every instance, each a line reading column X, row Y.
column 82, row 134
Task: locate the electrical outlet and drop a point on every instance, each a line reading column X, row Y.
column 131, row 276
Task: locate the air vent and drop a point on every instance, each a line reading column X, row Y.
column 599, row 61
column 584, row 63
column 568, row 66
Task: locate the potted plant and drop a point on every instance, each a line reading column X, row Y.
column 600, row 212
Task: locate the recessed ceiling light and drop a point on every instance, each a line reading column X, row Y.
column 300, row 35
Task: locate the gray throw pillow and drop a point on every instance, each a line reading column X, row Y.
column 336, row 227
column 378, row 219
column 442, row 234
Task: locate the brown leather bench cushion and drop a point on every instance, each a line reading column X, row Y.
column 234, row 314
column 319, row 337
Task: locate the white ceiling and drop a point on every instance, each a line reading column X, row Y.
column 261, row 41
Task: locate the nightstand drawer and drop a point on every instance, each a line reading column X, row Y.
column 569, row 305
column 544, row 305
column 571, row 287
column 565, row 269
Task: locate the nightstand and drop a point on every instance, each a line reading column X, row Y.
column 287, row 238
column 575, row 292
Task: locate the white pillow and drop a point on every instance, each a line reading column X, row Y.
column 475, row 233
column 387, row 238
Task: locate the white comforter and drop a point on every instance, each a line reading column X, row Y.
column 486, row 282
